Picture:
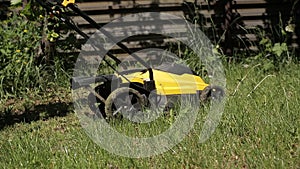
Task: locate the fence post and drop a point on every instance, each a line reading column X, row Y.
column 228, row 45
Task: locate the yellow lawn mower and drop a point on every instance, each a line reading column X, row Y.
column 134, row 89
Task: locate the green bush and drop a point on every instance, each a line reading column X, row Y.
column 19, row 41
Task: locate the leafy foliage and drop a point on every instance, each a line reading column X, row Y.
column 19, row 41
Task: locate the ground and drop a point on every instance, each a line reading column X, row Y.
column 259, row 129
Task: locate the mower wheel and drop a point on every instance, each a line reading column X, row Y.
column 124, row 99
column 211, row 92
column 96, row 107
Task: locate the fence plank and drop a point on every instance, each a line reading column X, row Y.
column 248, row 14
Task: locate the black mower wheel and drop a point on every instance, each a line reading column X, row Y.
column 211, row 92
column 124, row 99
column 98, row 106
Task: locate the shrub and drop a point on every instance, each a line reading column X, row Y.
column 19, row 42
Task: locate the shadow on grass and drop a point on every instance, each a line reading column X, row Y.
column 38, row 112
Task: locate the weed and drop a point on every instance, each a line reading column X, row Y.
column 18, row 69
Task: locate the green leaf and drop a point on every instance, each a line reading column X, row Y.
column 264, row 41
column 15, row 2
column 2, row 51
column 268, row 66
column 279, row 48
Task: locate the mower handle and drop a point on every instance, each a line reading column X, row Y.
column 71, row 4
column 78, row 82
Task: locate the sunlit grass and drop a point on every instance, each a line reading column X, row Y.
column 259, row 129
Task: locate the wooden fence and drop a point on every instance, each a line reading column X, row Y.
column 234, row 25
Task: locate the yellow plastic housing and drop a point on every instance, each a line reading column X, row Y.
column 168, row 83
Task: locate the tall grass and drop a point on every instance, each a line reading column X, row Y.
column 17, row 60
column 259, row 129
column 23, row 74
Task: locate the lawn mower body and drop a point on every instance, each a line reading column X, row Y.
column 168, row 83
column 165, row 80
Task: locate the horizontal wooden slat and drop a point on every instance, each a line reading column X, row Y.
column 252, row 13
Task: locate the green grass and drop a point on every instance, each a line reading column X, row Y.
column 259, row 129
